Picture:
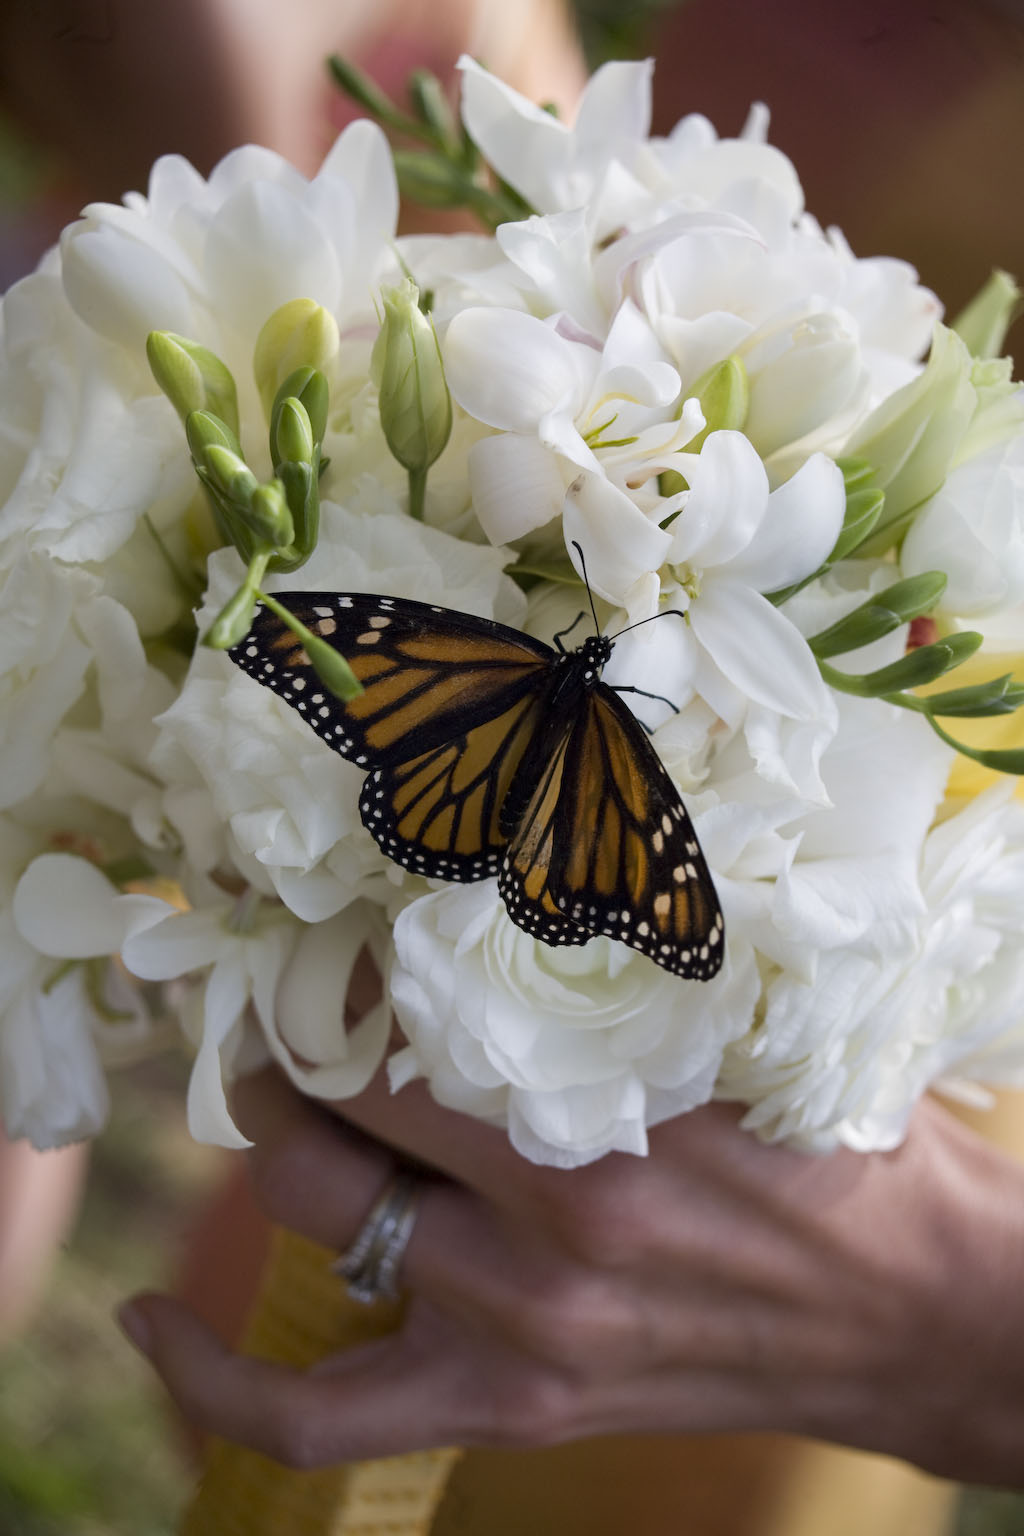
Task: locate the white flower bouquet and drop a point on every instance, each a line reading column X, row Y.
column 651, row 361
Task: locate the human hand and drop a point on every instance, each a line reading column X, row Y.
column 716, row 1285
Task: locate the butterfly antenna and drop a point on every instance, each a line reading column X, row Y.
column 664, row 614
column 586, row 582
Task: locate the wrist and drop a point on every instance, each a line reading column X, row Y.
column 952, row 1400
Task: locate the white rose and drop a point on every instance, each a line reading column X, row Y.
column 576, row 1049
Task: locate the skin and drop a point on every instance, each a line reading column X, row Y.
column 716, row 1285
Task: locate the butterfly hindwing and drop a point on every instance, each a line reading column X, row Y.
column 439, row 812
column 523, row 880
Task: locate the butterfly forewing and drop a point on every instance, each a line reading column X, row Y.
column 429, row 674
column 626, row 861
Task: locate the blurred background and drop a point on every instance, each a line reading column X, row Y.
column 905, row 122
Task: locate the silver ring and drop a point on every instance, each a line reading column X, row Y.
column 370, row 1264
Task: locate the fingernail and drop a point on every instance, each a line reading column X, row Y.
column 136, row 1325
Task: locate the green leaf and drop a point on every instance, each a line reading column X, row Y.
column 880, row 615
column 911, row 671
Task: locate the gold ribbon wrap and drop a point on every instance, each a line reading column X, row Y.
column 302, row 1313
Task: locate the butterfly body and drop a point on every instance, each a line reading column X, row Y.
column 489, row 753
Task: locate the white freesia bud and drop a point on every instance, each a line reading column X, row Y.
column 301, row 334
column 415, row 406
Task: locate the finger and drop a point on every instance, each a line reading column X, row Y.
column 399, row 1394
column 320, row 1177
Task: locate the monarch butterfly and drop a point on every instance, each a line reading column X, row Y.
column 491, row 753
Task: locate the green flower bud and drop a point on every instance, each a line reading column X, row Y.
column 192, row 377
column 229, row 474
column 204, row 430
column 415, row 406
column 232, row 623
column 723, row 393
column 328, row 664
column 301, row 334
column 268, row 515
column 432, row 108
column 291, row 437
column 913, row 670
column 724, row 396
column 880, row 615
column 309, row 387
column 983, row 323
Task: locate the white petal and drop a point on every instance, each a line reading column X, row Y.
column 555, row 253
column 509, row 369
column 759, row 650
column 265, row 248
column 728, row 499
column 65, row 907
column 528, row 147
column 799, row 528
column 619, row 544
column 516, row 485
column 361, row 157
column 121, row 288
column 225, row 998
column 615, row 108
column 182, row 942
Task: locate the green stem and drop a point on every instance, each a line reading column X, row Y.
column 417, row 493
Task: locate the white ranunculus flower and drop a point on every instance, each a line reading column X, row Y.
column 577, row 1049
column 973, row 529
